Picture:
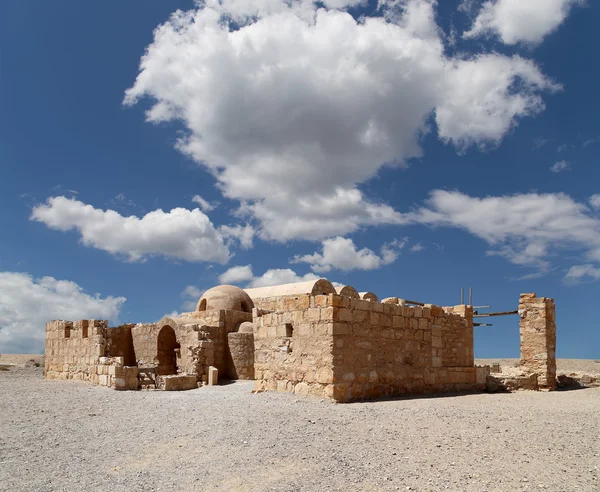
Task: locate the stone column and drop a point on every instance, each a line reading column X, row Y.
column 538, row 338
column 468, row 360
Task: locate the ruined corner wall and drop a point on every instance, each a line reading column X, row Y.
column 294, row 345
column 351, row 349
column 538, row 338
column 73, row 349
column 388, row 349
column 81, row 350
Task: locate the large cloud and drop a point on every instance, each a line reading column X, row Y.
column 527, row 229
column 291, row 107
column 180, row 234
column 514, row 21
column 27, row 304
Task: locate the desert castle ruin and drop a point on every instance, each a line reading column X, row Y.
column 309, row 338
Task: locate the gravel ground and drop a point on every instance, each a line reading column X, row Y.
column 564, row 366
column 71, row 436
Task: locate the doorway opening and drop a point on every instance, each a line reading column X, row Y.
column 167, row 348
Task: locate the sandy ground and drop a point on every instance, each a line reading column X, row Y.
column 71, row 436
column 21, row 359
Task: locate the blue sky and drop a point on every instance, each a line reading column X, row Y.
column 409, row 149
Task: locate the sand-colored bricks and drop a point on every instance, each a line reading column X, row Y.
column 538, row 338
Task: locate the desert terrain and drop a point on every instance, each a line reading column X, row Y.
column 71, row 436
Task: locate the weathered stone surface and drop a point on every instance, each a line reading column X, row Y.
column 538, row 339
column 213, row 376
column 177, row 382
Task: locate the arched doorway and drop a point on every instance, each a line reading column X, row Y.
column 166, row 351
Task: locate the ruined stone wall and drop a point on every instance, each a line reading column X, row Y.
column 294, row 345
column 202, row 337
column 351, row 349
column 73, row 349
column 538, row 338
column 80, row 349
column 145, row 343
column 120, row 344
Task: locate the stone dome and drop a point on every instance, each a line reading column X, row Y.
column 225, row 297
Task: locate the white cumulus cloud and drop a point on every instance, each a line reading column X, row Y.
column 595, row 201
column 277, row 276
column 243, row 233
column 521, row 21
column 237, row 274
column 27, row 304
column 527, row 229
column 179, row 234
column 291, row 107
column 341, row 253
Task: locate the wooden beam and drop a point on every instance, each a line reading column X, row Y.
column 414, row 302
column 482, row 324
column 487, row 315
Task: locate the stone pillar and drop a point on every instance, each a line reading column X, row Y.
column 469, row 353
column 241, row 348
column 538, row 338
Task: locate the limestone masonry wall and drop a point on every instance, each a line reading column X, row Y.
column 81, row 350
column 348, row 349
column 538, row 338
column 390, row 349
column 293, row 345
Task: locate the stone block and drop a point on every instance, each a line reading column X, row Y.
column 178, row 382
column 213, row 376
column 339, row 329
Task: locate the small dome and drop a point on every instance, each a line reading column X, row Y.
column 368, row 296
column 225, row 297
column 246, row 327
column 348, row 291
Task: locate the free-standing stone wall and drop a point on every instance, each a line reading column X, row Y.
column 538, row 338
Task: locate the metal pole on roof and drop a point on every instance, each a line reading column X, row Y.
column 462, row 295
column 470, row 296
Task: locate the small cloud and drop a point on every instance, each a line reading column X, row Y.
column 590, row 141
column 415, row 248
column 539, row 142
column 237, row 274
column 190, row 295
column 578, row 273
column 205, row 205
column 595, row 201
column 562, row 148
column 560, row 166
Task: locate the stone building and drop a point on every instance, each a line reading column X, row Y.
column 308, row 338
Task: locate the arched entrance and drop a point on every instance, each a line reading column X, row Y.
column 166, row 351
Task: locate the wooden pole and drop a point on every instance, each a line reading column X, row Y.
column 487, row 315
